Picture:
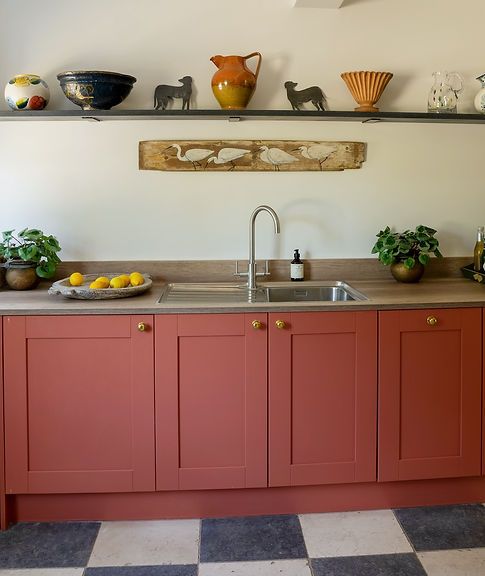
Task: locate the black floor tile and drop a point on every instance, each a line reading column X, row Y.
column 48, row 545
column 444, row 527
column 172, row 570
column 251, row 538
column 380, row 565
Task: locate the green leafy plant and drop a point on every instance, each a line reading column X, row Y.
column 408, row 247
column 31, row 245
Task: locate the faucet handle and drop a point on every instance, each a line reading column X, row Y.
column 238, row 272
column 266, row 270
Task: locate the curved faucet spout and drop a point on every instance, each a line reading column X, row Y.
column 252, row 229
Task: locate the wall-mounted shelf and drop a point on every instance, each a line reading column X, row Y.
column 237, row 115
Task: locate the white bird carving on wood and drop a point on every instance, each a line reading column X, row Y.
column 194, row 155
column 276, row 157
column 228, row 156
column 320, row 152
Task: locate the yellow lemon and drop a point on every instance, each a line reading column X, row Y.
column 126, row 280
column 76, row 279
column 136, row 279
column 117, row 282
column 103, row 280
column 97, row 285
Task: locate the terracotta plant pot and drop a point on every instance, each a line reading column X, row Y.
column 403, row 274
column 21, row 275
column 366, row 88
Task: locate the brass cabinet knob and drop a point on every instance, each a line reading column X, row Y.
column 256, row 324
column 431, row 320
column 142, row 327
column 280, row 324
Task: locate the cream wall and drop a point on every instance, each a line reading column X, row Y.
column 80, row 180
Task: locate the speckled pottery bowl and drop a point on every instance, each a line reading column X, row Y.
column 27, row 92
column 95, row 90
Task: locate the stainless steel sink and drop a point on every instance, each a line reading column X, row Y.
column 334, row 292
column 220, row 292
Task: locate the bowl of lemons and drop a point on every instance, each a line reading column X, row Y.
column 106, row 286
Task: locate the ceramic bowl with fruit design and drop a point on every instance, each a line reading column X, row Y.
column 27, row 92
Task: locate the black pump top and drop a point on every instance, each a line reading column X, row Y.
column 297, row 255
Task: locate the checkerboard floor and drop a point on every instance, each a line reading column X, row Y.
column 433, row 541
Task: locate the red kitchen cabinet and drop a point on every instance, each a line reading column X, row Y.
column 3, row 512
column 210, row 396
column 79, row 413
column 322, row 397
column 429, row 394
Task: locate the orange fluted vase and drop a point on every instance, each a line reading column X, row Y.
column 366, row 88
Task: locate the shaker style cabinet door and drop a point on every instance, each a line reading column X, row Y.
column 3, row 514
column 79, row 404
column 429, row 394
column 210, row 396
column 322, row 397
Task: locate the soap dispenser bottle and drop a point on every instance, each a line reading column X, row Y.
column 296, row 267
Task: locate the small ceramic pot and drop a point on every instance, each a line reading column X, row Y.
column 403, row 274
column 2, row 273
column 27, row 92
column 21, row 275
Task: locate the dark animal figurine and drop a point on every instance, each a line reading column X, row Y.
column 313, row 94
column 164, row 94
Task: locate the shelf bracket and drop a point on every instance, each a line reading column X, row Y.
column 235, row 118
column 328, row 4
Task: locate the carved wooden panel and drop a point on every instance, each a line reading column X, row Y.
column 250, row 155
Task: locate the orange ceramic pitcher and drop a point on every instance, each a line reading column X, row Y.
column 233, row 84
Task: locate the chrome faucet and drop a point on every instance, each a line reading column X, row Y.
column 251, row 273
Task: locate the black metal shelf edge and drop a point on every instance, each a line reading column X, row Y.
column 236, row 115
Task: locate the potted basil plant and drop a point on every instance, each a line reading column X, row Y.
column 28, row 255
column 408, row 252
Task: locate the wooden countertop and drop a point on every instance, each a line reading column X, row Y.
column 381, row 295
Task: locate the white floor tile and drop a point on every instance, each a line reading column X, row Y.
column 454, row 562
column 267, row 568
column 146, row 543
column 353, row 534
column 44, row 572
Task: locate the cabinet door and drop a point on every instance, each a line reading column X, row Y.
column 210, row 374
column 322, row 397
column 79, row 404
column 429, row 393
column 3, row 513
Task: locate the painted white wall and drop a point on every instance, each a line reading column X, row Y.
column 80, row 180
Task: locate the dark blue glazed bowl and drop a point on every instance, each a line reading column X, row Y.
column 95, row 90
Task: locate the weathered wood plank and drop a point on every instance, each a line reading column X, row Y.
column 250, row 155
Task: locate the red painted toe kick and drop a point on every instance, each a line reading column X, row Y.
column 216, row 503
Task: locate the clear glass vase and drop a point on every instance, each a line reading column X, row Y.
column 443, row 96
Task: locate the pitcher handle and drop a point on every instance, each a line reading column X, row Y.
column 259, row 61
column 457, row 87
